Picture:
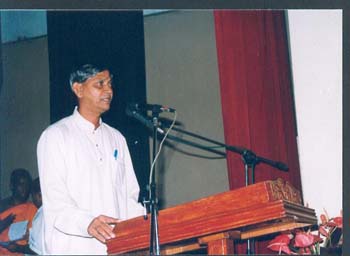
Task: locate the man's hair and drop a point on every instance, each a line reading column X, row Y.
column 16, row 174
column 36, row 186
column 83, row 73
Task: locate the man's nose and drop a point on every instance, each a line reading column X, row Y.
column 107, row 88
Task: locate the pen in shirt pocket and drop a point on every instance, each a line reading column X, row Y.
column 115, row 154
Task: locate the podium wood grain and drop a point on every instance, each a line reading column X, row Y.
column 215, row 221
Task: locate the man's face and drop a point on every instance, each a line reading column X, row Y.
column 21, row 189
column 96, row 93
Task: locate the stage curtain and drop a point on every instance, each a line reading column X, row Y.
column 257, row 94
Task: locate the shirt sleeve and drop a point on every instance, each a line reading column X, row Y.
column 60, row 210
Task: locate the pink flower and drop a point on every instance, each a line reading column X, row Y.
column 338, row 222
column 280, row 244
column 317, row 239
column 303, row 240
column 323, row 231
column 307, row 242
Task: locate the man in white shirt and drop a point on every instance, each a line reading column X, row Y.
column 87, row 179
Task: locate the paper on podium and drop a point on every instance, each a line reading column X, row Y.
column 17, row 230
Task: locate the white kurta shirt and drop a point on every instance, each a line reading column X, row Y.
column 36, row 233
column 83, row 173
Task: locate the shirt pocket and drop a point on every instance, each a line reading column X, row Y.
column 117, row 172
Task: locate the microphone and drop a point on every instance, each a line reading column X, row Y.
column 282, row 166
column 152, row 107
column 145, row 121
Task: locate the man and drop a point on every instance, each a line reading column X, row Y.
column 87, row 179
column 20, row 185
column 18, row 207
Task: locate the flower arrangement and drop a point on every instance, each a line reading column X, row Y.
column 300, row 242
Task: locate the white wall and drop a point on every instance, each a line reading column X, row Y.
column 316, row 56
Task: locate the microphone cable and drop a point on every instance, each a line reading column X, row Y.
column 159, row 149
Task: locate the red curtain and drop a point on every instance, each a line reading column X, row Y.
column 256, row 94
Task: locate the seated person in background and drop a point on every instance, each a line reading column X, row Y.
column 20, row 184
column 19, row 207
column 34, row 245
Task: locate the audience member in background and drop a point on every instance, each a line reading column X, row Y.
column 34, row 245
column 17, row 206
column 20, row 184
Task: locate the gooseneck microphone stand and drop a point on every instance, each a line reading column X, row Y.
column 154, row 248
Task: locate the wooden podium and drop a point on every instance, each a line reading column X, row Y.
column 216, row 221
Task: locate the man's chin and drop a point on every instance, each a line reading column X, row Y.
column 105, row 109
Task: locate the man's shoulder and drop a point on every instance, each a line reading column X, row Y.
column 61, row 125
column 64, row 122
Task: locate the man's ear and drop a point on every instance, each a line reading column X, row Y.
column 78, row 89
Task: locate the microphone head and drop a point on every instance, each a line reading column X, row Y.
column 282, row 166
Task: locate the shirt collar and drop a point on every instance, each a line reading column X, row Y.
column 83, row 123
